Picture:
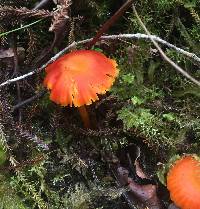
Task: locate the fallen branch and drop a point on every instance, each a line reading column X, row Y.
column 20, row 28
column 16, row 72
column 111, row 37
column 27, row 101
column 42, row 4
column 164, row 56
column 109, row 23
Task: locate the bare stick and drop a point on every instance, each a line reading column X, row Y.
column 16, row 72
column 27, row 101
column 109, row 23
column 20, row 28
column 111, row 37
column 42, row 4
column 164, row 56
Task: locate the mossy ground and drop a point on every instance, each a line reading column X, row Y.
column 150, row 106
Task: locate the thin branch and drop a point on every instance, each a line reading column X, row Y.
column 21, row 13
column 16, row 72
column 109, row 23
column 20, row 28
column 164, row 56
column 111, row 37
column 29, row 100
column 42, row 4
column 156, row 38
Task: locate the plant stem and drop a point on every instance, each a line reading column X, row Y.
column 109, row 23
column 20, row 28
column 84, row 116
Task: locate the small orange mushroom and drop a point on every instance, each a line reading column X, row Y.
column 183, row 182
column 78, row 77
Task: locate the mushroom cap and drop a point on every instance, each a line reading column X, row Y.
column 77, row 77
column 183, row 182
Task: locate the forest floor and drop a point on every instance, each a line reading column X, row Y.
column 147, row 120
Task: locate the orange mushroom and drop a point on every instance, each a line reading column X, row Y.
column 77, row 77
column 183, row 182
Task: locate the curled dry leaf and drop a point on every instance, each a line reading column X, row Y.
column 61, row 15
column 139, row 171
column 143, row 195
column 59, row 27
column 8, row 53
column 21, row 13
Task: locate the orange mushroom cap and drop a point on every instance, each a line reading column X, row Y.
column 183, row 182
column 77, row 77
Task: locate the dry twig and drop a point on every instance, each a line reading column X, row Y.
column 27, row 101
column 16, row 72
column 111, row 37
column 22, row 13
column 60, row 16
column 42, row 4
column 164, row 56
column 109, row 23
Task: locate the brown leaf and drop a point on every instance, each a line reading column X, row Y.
column 139, row 171
column 60, row 16
column 144, row 195
column 9, row 12
column 59, row 27
column 6, row 53
column 9, row 52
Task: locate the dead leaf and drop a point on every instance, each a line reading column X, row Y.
column 9, row 12
column 59, row 27
column 8, row 53
column 145, row 195
column 139, row 171
column 60, row 16
column 141, row 190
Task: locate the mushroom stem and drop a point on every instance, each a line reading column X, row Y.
column 84, row 116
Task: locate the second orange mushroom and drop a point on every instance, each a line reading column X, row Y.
column 183, row 182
